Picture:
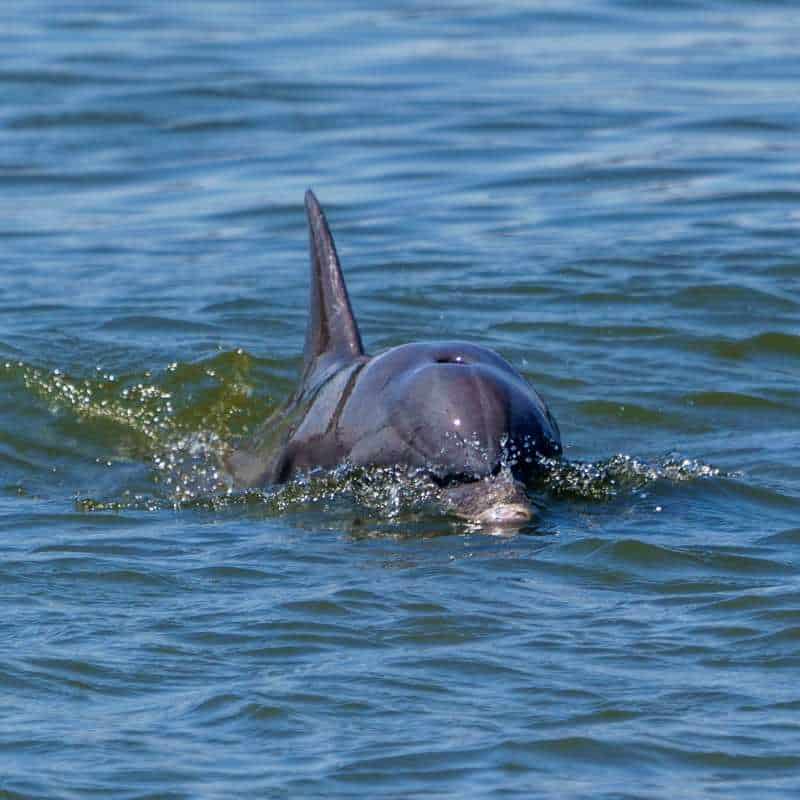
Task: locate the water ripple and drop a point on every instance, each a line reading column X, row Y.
column 605, row 193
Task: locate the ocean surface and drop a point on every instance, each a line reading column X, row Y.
column 605, row 192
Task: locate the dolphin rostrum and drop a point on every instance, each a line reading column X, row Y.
column 455, row 410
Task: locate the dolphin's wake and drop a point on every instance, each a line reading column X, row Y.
column 181, row 422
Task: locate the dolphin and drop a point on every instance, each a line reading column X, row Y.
column 456, row 411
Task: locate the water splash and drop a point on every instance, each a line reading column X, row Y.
column 383, row 493
column 179, row 422
column 183, row 420
column 620, row 474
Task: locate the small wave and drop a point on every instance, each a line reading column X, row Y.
column 727, row 298
column 603, row 480
column 635, row 556
column 80, row 119
column 734, row 400
column 769, row 343
column 222, row 709
column 209, row 125
column 632, row 414
column 790, row 537
column 44, row 77
column 155, row 326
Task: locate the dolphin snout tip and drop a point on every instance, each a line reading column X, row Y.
column 505, row 515
column 497, row 503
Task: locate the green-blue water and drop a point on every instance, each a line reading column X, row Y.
column 606, row 192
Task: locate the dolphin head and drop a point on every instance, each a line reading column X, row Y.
column 456, row 409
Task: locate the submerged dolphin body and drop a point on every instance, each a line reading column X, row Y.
column 456, row 410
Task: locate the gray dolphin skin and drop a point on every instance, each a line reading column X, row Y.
column 457, row 411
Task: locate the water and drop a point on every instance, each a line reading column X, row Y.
column 605, row 192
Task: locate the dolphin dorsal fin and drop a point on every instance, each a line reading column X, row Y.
column 332, row 335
